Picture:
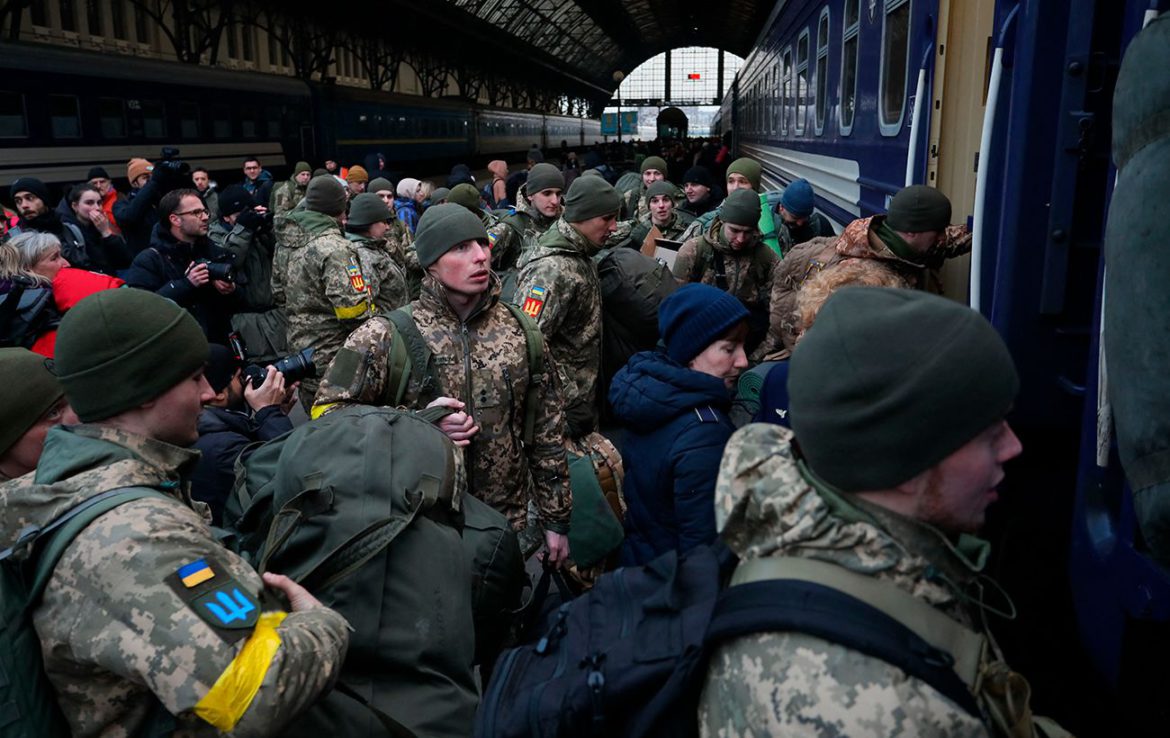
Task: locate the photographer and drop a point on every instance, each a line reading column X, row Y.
column 238, row 415
column 183, row 265
column 137, row 215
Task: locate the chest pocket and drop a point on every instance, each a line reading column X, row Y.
column 493, row 398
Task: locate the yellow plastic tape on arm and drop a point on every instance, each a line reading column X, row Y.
column 233, row 692
column 348, row 313
column 319, row 410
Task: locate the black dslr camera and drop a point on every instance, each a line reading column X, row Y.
column 295, row 367
column 170, row 161
column 219, row 270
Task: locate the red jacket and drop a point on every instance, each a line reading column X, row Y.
column 70, row 287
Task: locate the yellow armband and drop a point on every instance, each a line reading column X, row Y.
column 232, row 694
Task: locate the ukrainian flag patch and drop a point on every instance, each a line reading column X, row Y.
column 195, row 573
column 534, row 302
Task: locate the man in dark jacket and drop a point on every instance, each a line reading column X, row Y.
column 238, row 415
column 176, row 264
column 31, row 197
column 700, row 190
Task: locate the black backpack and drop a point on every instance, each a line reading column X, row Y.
column 633, row 286
column 629, row 657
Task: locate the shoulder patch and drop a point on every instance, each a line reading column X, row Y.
column 355, row 278
column 492, row 236
column 219, row 600
column 534, row 302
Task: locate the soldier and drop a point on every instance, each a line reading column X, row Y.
column 398, row 238
column 800, row 220
column 148, row 625
column 366, row 228
column 286, row 196
column 913, row 238
column 558, row 287
column 700, row 191
column 466, row 195
column 663, row 220
column 881, row 498
column 480, row 359
column 31, row 401
column 744, row 174
column 731, row 256
column 635, row 203
column 539, row 203
column 321, row 281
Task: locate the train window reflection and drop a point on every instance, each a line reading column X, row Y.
column 801, row 81
column 64, row 116
column 895, row 46
column 787, row 100
column 13, row 123
column 849, row 40
column 822, row 80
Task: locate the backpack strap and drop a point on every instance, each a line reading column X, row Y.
column 418, row 361
column 702, row 259
column 720, row 269
column 534, row 341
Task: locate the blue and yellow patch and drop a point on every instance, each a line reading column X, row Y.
column 534, row 302
column 195, row 573
column 216, row 597
column 355, row 278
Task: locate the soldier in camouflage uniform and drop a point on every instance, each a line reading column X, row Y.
column 538, row 205
column 892, row 491
column 636, row 202
column 366, row 228
column 914, row 238
column 148, row 626
column 398, row 238
column 731, row 256
column 286, row 195
column 324, row 289
column 466, row 195
column 663, row 220
column 559, row 288
column 31, row 402
column 481, row 361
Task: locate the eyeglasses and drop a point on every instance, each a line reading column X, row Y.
column 198, row 213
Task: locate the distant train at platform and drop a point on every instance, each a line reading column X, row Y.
column 63, row 111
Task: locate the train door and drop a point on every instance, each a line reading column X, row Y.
column 959, row 96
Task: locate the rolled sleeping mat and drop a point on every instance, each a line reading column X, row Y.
column 750, row 384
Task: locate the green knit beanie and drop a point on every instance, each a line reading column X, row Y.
column 889, row 382
column 543, row 177
column 741, row 208
column 918, row 209
column 749, row 168
column 654, row 162
column 117, row 349
column 466, row 195
column 302, row 166
column 367, row 209
column 662, row 187
column 442, row 227
column 28, row 389
column 590, row 197
column 326, row 195
column 380, row 184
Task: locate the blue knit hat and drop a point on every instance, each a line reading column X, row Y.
column 694, row 317
column 798, row 198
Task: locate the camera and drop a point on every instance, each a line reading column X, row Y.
column 218, row 270
column 296, row 367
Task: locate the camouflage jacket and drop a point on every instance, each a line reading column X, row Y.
column 859, row 240
column 482, row 362
column 385, row 279
column 517, row 233
column 558, row 287
column 120, row 630
column 635, row 205
column 639, row 230
column 790, row 683
column 747, row 274
column 252, row 254
column 285, row 197
column 326, row 294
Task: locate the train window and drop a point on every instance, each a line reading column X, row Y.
column 221, row 121
column 786, row 101
column 188, row 120
column 112, row 117
column 895, row 48
column 801, row 81
column 849, row 40
column 64, row 116
column 13, row 123
column 154, row 119
column 248, row 116
column 822, row 80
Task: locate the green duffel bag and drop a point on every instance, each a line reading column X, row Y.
column 265, row 335
column 497, row 576
column 594, row 530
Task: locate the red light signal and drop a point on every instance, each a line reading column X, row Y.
column 693, row 75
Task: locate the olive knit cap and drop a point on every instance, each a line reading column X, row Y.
column 590, row 197
column 465, row 195
column 889, row 382
column 442, row 228
column 380, row 184
column 325, row 195
column 662, row 187
column 741, row 208
column 367, row 209
column 749, row 168
column 28, row 389
column 653, row 162
column 439, row 196
column 302, row 166
column 918, row 209
column 543, row 177
column 117, row 349
column 357, row 174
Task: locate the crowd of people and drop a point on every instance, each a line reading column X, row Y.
column 154, row 339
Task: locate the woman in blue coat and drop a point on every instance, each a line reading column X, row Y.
column 673, row 403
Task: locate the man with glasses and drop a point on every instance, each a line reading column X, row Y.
column 179, row 263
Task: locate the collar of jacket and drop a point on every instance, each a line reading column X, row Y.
column 524, row 206
column 166, row 243
column 898, row 248
column 76, row 448
column 433, row 297
column 714, row 236
column 316, row 223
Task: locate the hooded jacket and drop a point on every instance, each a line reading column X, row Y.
column 677, row 426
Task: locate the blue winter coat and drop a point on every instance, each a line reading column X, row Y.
column 677, row 427
column 407, row 212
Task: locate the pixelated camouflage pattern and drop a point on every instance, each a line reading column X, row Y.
column 113, row 634
column 252, row 255
column 793, row 684
column 749, row 270
column 323, row 303
column 285, row 197
column 484, row 363
column 633, row 233
column 290, row 233
column 517, row 232
column 562, row 263
column 384, row 277
column 635, row 204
